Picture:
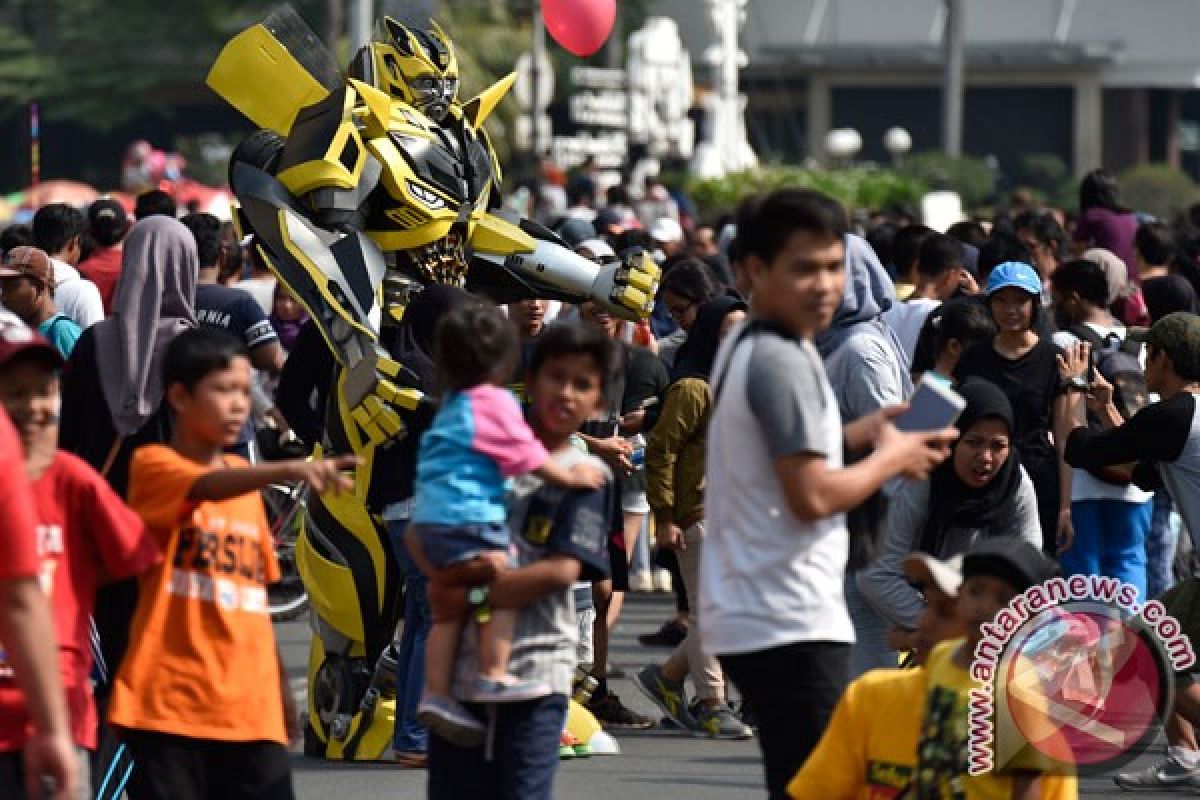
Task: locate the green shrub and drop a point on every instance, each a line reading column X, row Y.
column 1044, row 172
column 970, row 177
column 855, row 187
column 1157, row 189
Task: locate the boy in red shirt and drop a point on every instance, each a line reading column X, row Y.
column 85, row 535
column 199, row 697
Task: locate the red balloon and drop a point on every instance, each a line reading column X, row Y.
column 580, row 26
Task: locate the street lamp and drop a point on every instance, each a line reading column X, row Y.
column 843, row 144
column 898, row 142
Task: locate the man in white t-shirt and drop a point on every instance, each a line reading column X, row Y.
column 1110, row 516
column 771, row 603
column 941, row 273
column 58, row 230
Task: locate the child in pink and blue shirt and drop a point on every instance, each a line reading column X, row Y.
column 477, row 442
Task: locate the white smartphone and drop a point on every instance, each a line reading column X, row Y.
column 933, row 406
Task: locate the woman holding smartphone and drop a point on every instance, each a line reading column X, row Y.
column 1024, row 366
column 980, row 491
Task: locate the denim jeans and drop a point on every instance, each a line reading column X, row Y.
column 1161, row 544
column 1110, row 540
column 411, row 736
column 522, row 761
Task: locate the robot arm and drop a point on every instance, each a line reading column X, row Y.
column 336, row 276
column 538, row 263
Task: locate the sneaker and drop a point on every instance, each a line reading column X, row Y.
column 1167, row 775
column 490, row 690
column 719, row 722
column 666, row 694
column 612, row 713
column 662, row 580
column 641, row 581
column 449, row 720
column 671, row 634
column 566, row 745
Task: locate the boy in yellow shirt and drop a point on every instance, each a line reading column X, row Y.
column 902, row 733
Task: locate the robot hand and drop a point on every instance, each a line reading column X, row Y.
column 375, row 400
column 627, row 287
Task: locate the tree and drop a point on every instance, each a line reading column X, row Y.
column 104, row 62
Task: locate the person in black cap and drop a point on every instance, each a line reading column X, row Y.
column 1162, row 441
column 994, row 572
column 107, row 225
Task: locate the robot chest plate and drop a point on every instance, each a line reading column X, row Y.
column 428, row 179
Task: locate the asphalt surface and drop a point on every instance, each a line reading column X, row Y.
column 657, row 764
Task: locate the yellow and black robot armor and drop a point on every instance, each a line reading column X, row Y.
column 360, row 188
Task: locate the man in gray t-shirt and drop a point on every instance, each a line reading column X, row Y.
column 771, row 572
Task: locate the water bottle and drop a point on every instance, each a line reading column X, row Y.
column 638, row 456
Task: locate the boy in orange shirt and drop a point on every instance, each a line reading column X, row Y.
column 200, row 697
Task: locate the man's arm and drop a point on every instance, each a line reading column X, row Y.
column 24, row 625
column 269, row 357
column 882, row 582
column 814, row 491
column 320, row 474
column 520, row 587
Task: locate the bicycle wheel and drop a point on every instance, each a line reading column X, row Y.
column 287, row 599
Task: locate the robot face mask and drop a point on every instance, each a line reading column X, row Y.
column 420, row 68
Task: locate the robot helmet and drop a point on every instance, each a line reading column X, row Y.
column 418, row 67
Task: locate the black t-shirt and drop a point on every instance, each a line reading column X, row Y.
column 1157, row 433
column 234, row 311
column 1031, row 385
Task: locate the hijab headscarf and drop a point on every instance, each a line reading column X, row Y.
column 154, row 300
column 414, row 336
column 953, row 504
column 1125, row 299
column 1116, row 274
column 1168, row 294
column 869, row 292
column 696, row 357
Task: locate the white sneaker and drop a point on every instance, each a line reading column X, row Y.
column 662, row 580
column 1170, row 774
column 641, row 581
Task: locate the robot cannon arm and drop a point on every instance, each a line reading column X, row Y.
column 336, row 276
column 536, row 259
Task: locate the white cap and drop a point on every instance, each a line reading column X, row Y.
column 666, row 229
column 597, row 247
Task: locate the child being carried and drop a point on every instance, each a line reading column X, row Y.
column 478, row 441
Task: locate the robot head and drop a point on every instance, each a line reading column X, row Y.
column 418, row 67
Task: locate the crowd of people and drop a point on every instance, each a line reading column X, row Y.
column 831, row 571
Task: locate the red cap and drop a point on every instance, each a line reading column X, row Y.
column 28, row 261
column 16, row 337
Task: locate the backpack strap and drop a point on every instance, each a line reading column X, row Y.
column 753, row 328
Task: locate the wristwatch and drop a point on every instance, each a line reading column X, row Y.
column 477, row 598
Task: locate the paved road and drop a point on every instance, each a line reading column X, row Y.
column 654, row 765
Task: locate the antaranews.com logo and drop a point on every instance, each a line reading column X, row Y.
column 1074, row 677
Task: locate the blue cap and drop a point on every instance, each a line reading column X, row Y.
column 1016, row 274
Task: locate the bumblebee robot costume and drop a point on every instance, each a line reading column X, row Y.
column 359, row 190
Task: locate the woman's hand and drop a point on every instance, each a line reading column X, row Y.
column 1073, row 361
column 1065, row 535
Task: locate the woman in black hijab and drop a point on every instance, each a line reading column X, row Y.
column 980, row 491
column 675, row 455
